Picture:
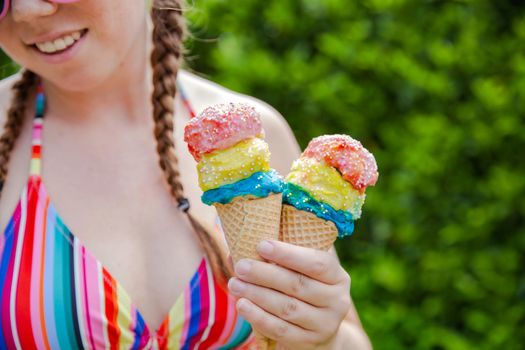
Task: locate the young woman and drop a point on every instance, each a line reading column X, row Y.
column 98, row 249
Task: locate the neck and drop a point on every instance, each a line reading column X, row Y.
column 124, row 95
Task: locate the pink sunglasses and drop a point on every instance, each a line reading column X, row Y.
column 4, row 6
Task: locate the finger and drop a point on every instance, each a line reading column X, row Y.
column 230, row 261
column 273, row 327
column 286, row 281
column 319, row 265
column 281, row 305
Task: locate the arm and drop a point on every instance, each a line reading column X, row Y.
column 280, row 138
column 285, row 150
column 351, row 334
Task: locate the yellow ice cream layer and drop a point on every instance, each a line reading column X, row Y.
column 326, row 184
column 236, row 163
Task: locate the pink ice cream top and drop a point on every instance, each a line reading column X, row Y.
column 355, row 163
column 221, row 126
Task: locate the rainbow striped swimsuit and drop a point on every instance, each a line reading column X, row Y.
column 56, row 295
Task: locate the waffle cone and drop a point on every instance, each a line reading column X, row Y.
column 263, row 343
column 246, row 221
column 305, row 229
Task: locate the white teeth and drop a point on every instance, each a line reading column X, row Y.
column 48, row 47
column 59, row 44
column 69, row 40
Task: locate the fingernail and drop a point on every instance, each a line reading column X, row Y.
column 243, row 267
column 236, row 286
column 265, row 247
column 242, row 305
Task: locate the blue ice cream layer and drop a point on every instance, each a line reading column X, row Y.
column 259, row 184
column 301, row 199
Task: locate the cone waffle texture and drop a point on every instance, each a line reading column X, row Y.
column 246, row 221
column 305, row 229
column 264, row 343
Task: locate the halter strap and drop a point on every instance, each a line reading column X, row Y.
column 185, row 100
column 36, row 138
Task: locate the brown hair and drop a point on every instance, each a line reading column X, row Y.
column 169, row 32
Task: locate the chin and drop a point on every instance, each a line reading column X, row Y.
column 81, row 77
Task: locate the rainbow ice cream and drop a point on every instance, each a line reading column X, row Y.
column 325, row 191
column 234, row 173
column 227, row 141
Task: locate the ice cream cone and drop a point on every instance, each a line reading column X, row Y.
column 246, row 221
column 227, row 141
column 305, row 229
column 325, row 190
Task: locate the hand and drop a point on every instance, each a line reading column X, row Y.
column 298, row 298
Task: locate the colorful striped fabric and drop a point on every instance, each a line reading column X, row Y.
column 56, row 295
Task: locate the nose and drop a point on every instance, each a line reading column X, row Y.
column 28, row 10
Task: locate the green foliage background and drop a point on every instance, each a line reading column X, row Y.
column 436, row 90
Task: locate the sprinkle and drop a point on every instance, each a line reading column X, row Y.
column 221, row 126
column 356, row 164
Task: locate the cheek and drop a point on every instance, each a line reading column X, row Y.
column 116, row 28
column 114, row 34
column 118, row 20
column 13, row 46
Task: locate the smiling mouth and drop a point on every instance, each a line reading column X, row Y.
column 59, row 45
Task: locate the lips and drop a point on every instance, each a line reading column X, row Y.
column 60, row 43
column 63, row 52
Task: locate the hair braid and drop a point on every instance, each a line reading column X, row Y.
column 15, row 120
column 169, row 32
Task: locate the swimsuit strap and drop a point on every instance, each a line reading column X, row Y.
column 185, row 100
column 36, row 138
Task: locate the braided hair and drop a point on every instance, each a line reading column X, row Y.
column 169, row 32
column 15, row 120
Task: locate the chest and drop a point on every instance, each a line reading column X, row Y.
column 114, row 200
column 55, row 292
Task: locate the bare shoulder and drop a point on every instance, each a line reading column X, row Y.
column 5, row 95
column 203, row 92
